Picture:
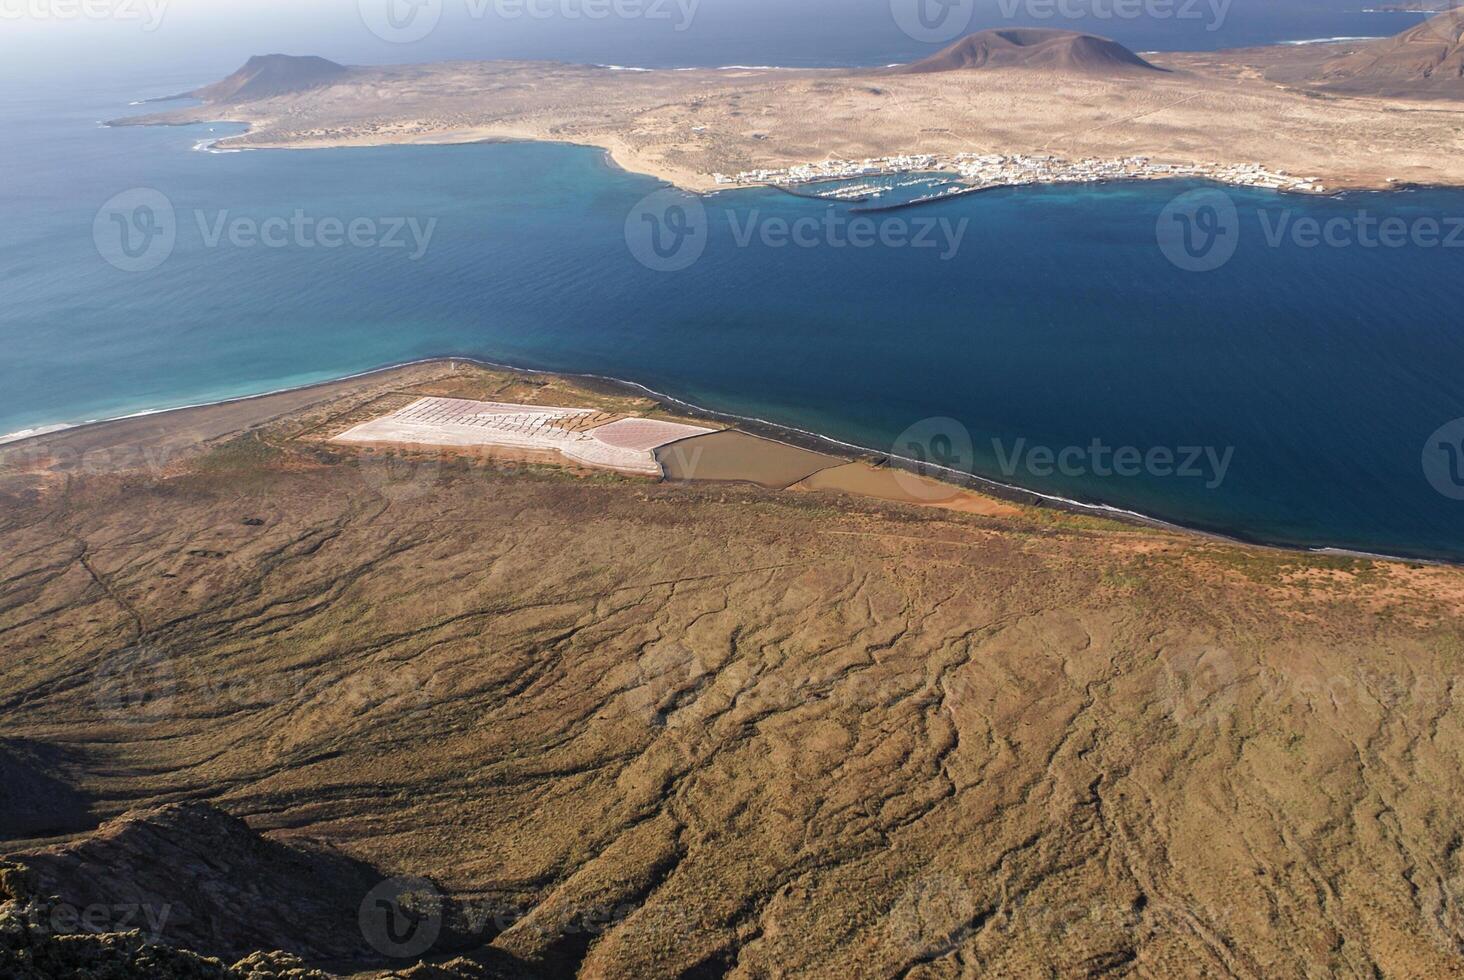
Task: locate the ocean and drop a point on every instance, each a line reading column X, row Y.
column 1298, row 393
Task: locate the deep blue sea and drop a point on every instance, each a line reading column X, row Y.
column 1040, row 321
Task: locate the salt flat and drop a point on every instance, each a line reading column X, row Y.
column 581, row 435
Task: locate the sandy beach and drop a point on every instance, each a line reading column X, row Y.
column 768, row 724
column 748, row 451
column 356, row 415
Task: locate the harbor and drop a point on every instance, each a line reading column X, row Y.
column 968, row 173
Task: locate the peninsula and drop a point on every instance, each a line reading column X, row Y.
column 266, row 678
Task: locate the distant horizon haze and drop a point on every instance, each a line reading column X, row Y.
column 48, row 40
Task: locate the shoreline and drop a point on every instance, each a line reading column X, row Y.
column 789, row 435
column 707, row 184
column 709, row 188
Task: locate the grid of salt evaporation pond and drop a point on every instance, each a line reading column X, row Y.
column 528, row 420
column 585, row 436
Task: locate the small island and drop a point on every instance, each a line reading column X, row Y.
column 998, row 107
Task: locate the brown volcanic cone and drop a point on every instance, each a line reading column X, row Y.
column 270, row 75
column 1427, row 60
column 202, row 880
column 1063, row 51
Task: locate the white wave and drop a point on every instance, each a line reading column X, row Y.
column 1328, row 40
column 740, row 68
column 1349, row 553
column 960, row 478
column 212, row 146
column 40, row 430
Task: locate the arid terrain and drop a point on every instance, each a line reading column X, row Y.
column 1387, row 121
column 262, row 689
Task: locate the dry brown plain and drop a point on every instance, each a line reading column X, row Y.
column 775, row 733
column 685, row 126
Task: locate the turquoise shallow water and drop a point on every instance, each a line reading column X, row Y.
column 1316, row 374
